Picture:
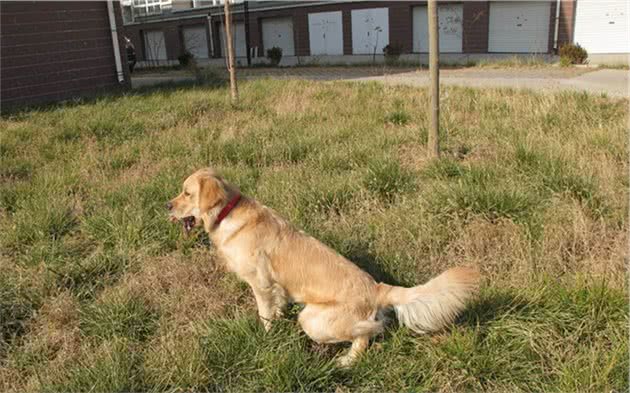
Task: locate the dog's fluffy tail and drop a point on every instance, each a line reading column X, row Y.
column 432, row 306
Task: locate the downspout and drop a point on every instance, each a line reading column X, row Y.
column 112, row 27
column 211, row 35
column 557, row 25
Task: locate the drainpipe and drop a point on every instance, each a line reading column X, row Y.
column 211, row 35
column 557, row 26
column 112, row 27
column 247, row 43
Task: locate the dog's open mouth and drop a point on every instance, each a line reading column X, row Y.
column 189, row 223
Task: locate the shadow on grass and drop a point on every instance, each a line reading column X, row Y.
column 492, row 306
column 18, row 112
column 368, row 263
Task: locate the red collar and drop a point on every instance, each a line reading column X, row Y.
column 227, row 209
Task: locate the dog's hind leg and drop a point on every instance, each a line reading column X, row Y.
column 333, row 324
column 359, row 345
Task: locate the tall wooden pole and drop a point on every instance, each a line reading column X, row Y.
column 434, row 71
column 230, row 51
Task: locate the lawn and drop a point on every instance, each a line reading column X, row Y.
column 99, row 292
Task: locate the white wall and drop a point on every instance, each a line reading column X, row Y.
column 278, row 32
column 238, row 39
column 602, row 26
column 196, row 41
column 325, row 32
column 370, row 30
column 450, row 27
column 519, row 26
column 154, row 45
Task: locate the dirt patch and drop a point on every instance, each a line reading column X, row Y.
column 184, row 288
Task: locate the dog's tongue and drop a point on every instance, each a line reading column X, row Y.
column 189, row 223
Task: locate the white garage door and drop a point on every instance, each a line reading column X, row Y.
column 325, row 33
column 278, row 32
column 370, row 30
column 519, row 26
column 238, row 39
column 451, row 31
column 154, row 45
column 602, row 26
column 195, row 41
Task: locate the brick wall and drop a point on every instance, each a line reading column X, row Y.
column 476, row 19
column 475, row 25
column 173, row 38
column 567, row 22
column 56, row 50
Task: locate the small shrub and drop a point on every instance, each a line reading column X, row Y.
column 19, row 300
column 387, row 179
column 398, row 117
column 127, row 316
column 392, row 53
column 444, row 168
column 565, row 62
column 114, row 366
column 572, row 54
column 274, row 55
column 185, row 59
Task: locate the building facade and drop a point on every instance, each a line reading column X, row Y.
column 357, row 31
column 57, row 50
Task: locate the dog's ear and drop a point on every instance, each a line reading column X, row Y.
column 211, row 193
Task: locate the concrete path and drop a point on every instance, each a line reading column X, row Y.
column 613, row 83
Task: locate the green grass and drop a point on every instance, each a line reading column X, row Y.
column 99, row 292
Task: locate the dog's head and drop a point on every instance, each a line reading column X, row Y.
column 202, row 192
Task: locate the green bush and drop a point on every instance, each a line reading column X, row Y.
column 274, row 55
column 185, row 59
column 392, row 53
column 572, row 54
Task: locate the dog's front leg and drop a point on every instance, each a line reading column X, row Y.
column 264, row 302
column 263, row 287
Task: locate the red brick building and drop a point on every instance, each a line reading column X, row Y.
column 57, row 50
column 347, row 31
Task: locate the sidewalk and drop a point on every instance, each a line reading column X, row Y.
column 613, row 83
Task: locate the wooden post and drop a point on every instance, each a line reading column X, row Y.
column 230, row 51
column 434, row 71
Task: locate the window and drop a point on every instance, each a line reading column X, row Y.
column 150, row 7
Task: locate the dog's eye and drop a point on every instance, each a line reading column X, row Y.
column 186, row 193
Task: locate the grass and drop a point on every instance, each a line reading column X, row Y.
column 514, row 61
column 99, row 292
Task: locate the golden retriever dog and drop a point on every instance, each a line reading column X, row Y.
column 282, row 264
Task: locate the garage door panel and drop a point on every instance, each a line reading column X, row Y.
column 602, row 26
column 370, row 30
column 154, row 45
column 278, row 32
column 520, row 27
column 196, row 41
column 238, row 38
column 325, row 31
column 450, row 21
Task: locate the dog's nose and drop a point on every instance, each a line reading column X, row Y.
column 169, row 205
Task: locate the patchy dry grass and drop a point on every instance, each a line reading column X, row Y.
column 99, row 292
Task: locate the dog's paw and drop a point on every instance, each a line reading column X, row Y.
column 345, row 361
column 266, row 324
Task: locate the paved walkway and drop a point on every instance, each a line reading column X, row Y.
column 611, row 82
